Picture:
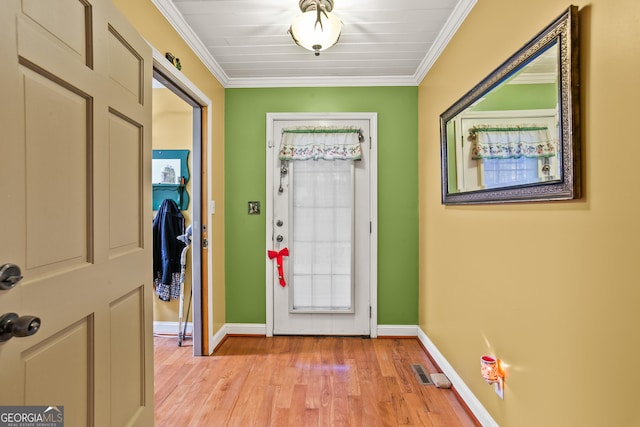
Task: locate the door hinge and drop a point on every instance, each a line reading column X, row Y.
column 370, row 227
column 370, row 312
column 205, row 243
column 370, row 143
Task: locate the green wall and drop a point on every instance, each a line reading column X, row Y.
column 520, row 97
column 245, row 140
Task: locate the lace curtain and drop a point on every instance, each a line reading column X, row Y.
column 314, row 143
column 511, row 142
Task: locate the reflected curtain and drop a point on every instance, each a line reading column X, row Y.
column 510, row 142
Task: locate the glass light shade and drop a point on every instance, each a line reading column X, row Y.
column 310, row 35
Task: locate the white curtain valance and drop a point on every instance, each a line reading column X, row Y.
column 508, row 142
column 314, row 143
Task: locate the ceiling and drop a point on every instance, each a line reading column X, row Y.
column 245, row 43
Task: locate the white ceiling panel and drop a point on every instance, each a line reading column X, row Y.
column 384, row 42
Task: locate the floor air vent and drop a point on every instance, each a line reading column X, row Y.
column 421, row 375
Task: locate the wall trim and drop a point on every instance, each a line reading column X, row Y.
column 177, row 21
column 321, row 81
column 397, row 330
column 456, row 19
column 261, row 329
column 245, row 329
column 170, row 328
column 472, row 402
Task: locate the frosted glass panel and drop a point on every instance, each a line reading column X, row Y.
column 302, row 298
column 507, row 172
column 322, row 241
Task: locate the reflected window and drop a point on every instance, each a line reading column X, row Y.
column 508, row 172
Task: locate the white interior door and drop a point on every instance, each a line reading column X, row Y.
column 321, row 213
column 76, row 215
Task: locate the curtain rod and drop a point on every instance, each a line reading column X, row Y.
column 321, row 130
column 508, row 128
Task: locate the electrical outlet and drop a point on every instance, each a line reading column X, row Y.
column 499, row 387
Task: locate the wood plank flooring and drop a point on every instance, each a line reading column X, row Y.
column 300, row 381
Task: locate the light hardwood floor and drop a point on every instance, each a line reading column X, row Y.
column 300, row 381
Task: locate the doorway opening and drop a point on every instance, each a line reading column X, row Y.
column 180, row 127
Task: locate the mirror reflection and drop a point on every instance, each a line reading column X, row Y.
column 515, row 136
column 510, row 135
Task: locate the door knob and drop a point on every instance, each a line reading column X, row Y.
column 12, row 325
column 279, row 238
column 10, row 275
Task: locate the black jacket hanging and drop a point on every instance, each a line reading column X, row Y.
column 167, row 226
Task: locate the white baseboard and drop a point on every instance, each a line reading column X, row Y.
column 261, row 329
column 397, row 331
column 465, row 393
column 216, row 340
column 245, row 329
column 170, row 328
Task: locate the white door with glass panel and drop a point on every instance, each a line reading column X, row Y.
column 319, row 266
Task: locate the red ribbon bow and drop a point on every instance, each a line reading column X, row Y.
column 278, row 256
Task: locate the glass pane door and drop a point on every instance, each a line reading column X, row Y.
column 322, row 215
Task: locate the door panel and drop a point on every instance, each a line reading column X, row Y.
column 127, row 357
column 125, row 167
column 77, row 218
column 125, row 65
column 75, row 38
column 56, row 167
column 68, row 349
column 335, row 201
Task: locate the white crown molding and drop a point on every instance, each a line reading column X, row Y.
column 324, row 81
column 175, row 18
column 456, row 19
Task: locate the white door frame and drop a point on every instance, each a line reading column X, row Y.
column 181, row 81
column 373, row 208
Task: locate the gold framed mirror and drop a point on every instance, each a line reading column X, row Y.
column 515, row 136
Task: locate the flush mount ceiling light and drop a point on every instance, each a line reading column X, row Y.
column 317, row 28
